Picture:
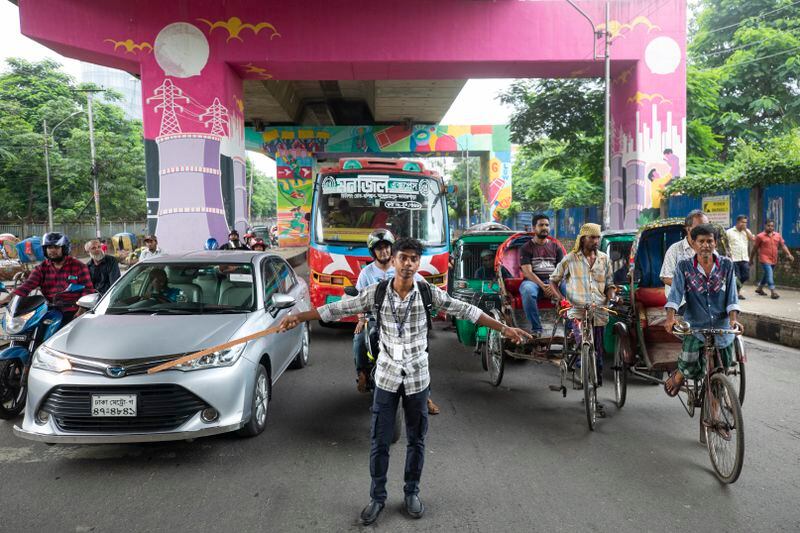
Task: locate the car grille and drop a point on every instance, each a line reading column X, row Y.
column 158, row 408
column 131, row 367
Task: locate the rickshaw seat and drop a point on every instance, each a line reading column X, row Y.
column 651, row 296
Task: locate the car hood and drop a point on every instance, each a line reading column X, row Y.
column 133, row 336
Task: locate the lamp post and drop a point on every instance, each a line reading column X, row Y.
column 604, row 33
column 47, row 166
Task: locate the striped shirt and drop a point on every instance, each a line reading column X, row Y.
column 52, row 282
column 586, row 284
column 412, row 370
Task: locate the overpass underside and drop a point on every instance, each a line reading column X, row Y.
column 217, row 78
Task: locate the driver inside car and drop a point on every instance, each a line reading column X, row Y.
column 159, row 288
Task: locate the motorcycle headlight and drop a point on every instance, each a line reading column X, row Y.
column 15, row 324
column 215, row 360
column 48, row 359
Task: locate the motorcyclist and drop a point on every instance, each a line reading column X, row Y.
column 379, row 244
column 55, row 274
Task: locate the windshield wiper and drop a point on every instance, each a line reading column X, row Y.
column 223, row 311
column 145, row 311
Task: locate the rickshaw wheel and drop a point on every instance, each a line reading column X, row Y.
column 495, row 355
column 484, row 351
column 620, row 375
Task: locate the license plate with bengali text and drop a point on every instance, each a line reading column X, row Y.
column 113, row 405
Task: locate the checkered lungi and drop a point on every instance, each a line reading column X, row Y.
column 691, row 363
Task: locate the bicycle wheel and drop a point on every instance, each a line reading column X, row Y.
column 496, row 362
column 620, row 376
column 736, row 373
column 721, row 422
column 589, row 378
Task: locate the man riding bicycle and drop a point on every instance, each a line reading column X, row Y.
column 55, row 274
column 589, row 281
column 708, row 285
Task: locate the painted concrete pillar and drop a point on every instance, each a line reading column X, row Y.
column 648, row 109
column 194, row 132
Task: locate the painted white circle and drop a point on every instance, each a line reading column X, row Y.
column 662, row 55
column 181, row 50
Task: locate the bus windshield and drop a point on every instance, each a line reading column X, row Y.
column 348, row 207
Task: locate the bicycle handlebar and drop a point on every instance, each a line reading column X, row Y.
column 682, row 332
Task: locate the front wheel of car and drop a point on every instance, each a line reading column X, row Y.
column 260, row 408
column 301, row 359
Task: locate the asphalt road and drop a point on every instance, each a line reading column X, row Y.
column 513, row 458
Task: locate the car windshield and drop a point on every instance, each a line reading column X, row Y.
column 182, row 288
column 349, row 207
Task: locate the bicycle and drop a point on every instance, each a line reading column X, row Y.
column 585, row 356
column 721, row 422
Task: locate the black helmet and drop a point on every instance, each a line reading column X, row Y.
column 378, row 236
column 57, row 239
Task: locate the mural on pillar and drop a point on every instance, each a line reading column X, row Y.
column 649, row 123
column 200, row 189
column 295, row 150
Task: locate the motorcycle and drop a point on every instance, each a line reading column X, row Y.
column 28, row 322
column 371, row 341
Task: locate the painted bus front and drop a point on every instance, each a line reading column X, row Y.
column 357, row 196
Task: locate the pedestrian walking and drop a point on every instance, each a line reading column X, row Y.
column 402, row 372
column 739, row 238
column 766, row 249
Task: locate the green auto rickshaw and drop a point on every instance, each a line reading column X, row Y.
column 617, row 245
column 474, row 278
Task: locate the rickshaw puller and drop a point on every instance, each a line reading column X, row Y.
column 589, row 281
column 708, row 285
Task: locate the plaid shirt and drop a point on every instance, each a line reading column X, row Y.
column 51, row 281
column 412, row 372
column 586, row 284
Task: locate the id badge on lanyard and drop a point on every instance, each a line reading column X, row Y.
column 397, row 349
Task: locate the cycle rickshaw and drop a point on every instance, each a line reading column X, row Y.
column 643, row 348
column 501, row 299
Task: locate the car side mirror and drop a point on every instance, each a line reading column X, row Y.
column 351, row 291
column 282, row 301
column 88, row 301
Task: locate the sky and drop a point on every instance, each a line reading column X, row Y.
column 476, row 104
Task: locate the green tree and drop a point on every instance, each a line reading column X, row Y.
column 33, row 92
column 265, row 193
column 458, row 202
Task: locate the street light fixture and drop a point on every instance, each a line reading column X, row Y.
column 47, row 165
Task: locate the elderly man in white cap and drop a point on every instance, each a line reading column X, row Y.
column 589, row 281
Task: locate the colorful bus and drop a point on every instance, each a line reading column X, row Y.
column 357, row 196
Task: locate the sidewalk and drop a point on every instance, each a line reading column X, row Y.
column 771, row 320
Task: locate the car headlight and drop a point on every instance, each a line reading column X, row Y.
column 215, row 360
column 48, row 359
column 16, row 323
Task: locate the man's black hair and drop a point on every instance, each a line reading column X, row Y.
column 704, row 229
column 769, row 220
column 690, row 217
column 741, row 217
column 407, row 244
column 539, row 216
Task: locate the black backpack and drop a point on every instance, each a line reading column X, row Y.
column 380, row 295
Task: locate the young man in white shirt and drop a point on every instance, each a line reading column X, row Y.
column 683, row 249
column 151, row 248
column 739, row 238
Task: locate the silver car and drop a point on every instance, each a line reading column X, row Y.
column 89, row 382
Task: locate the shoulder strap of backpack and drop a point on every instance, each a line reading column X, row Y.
column 427, row 300
column 380, row 296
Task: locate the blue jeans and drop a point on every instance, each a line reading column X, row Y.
column 768, row 278
column 530, row 292
column 384, row 410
